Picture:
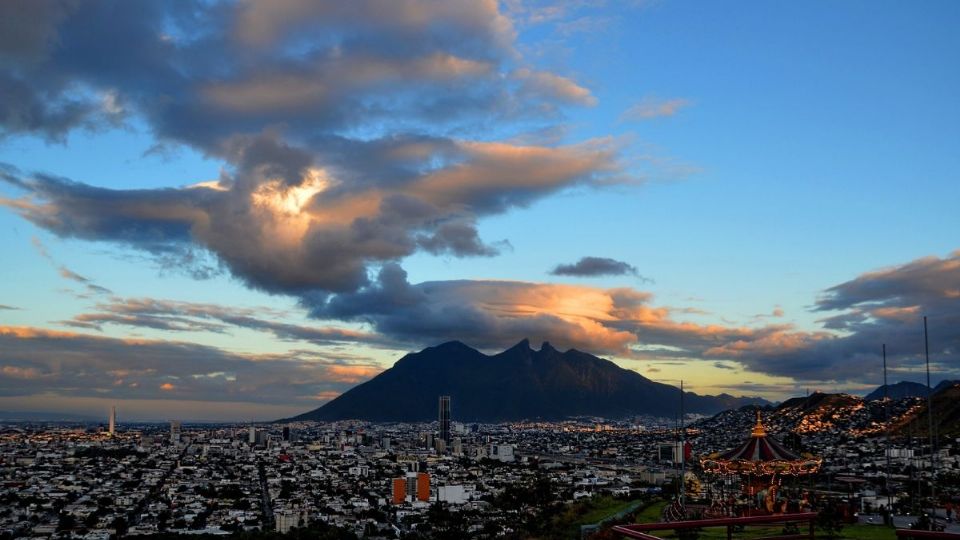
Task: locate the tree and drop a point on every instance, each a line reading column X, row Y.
column 120, row 525
column 66, row 521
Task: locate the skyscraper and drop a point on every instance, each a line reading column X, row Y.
column 174, row 431
column 113, row 420
column 445, row 419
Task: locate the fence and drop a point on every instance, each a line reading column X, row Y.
column 640, row 530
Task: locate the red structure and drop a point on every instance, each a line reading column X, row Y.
column 642, row 530
column 399, row 490
column 423, row 487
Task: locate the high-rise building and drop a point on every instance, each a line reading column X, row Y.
column 286, row 433
column 399, row 490
column 415, row 486
column 445, row 419
column 457, row 446
column 423, row 486
column 252, row 436
column 113, row 420
column 174, row 431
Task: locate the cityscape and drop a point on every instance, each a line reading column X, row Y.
column 447, row 479
column 479, row 269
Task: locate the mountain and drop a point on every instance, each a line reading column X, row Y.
column 519, row 383
column 946, row 413
column 819, row 411
column 37, row 416
column 945, row 384
column 902, row 389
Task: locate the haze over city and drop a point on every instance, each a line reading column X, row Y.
column 237, row 211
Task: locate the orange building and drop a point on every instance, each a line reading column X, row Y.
column 423, row 487
column 399, row 490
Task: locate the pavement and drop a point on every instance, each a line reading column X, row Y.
column 904, row 521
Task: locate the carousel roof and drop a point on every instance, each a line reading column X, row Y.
column 759, row 447
column 760, row 455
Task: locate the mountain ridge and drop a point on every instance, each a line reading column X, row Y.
column 515, row 384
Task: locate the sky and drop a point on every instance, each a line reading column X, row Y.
column 238, row 210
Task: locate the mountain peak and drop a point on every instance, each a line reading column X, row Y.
column 516, row 384
column 523, row 345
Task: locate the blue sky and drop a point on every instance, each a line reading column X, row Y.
column 772, row 188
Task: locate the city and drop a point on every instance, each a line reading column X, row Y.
column 433, row 480
column 479, row 269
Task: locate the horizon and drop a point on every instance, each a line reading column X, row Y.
column 90, row 416
column 247, row 211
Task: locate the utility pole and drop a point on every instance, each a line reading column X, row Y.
column 933, row 449
column 683, row 449
column 886, row 413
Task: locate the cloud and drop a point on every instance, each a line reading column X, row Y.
column 283, row 224
column 875, row 308
column 76, row 365
column 595, row 266
column 543, row 83
column 179, row 316
column 650, row 107
column 65, row 272
column 201, row 73
column 8, row 308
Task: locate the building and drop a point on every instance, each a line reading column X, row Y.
column 286, row 433
column 445, row 419
column 252, row 435
column 412, row 487
column 113, row 420
column 423, row 486
column 452, row 494
column 174, row 431
column 457, row 446
column 399, row 490
column 501, row 452
column 288, row 519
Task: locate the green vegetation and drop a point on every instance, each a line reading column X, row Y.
column 652, row 513
column 868, row 532
column 606, row 507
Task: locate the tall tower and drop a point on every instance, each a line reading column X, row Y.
column 445, row 419
column 113, row 420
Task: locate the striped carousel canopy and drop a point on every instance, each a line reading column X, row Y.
column 760, row 455
column 759, row 447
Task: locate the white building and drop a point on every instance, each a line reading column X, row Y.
column 452, row 494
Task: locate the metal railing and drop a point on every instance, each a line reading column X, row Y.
column 932, row 535
column 640, row 530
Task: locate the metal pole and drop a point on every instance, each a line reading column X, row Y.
column 886, row 412
column 683, row 449
column 933, row 450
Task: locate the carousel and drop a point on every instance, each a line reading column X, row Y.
column 759, row 465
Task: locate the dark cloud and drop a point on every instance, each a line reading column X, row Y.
column 335, row 126
column 10, row 308
column 178, row 316
column 77, row 365
column 285, row 225
column 595, row 266
column 201, row 72
column 876, row 308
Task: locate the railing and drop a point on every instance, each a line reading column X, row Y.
column 639, row 530
column 932, row 535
